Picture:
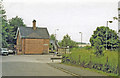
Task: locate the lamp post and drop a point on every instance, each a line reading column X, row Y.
column 55, row 37
column 81, row 38
column 114, row 18
column 55, row 33
column 106, row 32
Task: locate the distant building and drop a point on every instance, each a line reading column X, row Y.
column 79, row 44
column 32, row 40
column 83, row 45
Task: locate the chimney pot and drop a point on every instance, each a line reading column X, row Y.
column 34, row 24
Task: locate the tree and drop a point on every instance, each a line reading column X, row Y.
column 4, row 27
column 14, row 23
column 100, row 33
column 119, row 31
column 98, row 46
column 52, row 37
column 67, row 42
column 9, row 28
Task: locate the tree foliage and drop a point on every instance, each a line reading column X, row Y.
column 4, row 27
column 99, row 38
column 119, row 31
column 14, row 23
column 67, row 42
column 98, row 46
column 52, row 37
column 9, row 29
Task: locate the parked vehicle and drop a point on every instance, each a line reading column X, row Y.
column 14, row 51
column 4, row 51
column 10, row 51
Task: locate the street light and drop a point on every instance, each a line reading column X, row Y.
column 55, row 33
column 55, row 37
column 106, row 32
column 115, row 18
column 81, row 38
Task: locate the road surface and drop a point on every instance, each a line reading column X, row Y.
column 29, row 65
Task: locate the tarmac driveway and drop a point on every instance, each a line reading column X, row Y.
column 29, row 65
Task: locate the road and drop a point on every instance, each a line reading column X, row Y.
column 29, row 65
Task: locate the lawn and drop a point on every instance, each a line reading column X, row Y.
column 108, row 62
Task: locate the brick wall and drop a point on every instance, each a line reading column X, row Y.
column 32, row 46
column 35, row 46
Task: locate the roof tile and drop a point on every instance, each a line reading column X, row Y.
column 28, row 32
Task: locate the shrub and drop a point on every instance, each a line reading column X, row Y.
column 98, row 47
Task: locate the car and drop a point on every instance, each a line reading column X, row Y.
column 4, row 51
column 14, row 51
column 10, row 51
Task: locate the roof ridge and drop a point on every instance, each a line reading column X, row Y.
column 36, row 27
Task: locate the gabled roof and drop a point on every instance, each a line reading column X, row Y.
column 28, row 32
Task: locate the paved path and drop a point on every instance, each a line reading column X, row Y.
column 76, row 71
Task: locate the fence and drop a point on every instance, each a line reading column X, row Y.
column 103, row 67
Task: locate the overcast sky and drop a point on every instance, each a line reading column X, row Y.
column 69, row 16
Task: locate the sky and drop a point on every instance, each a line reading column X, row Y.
column 69, row 16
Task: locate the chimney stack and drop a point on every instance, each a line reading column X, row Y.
column 34, row 24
